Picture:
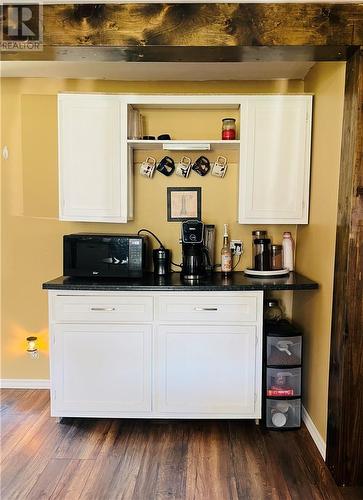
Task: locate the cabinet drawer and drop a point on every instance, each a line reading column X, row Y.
column 206, row 308
column 101, row 309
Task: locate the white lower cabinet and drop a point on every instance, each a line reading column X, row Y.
column 206, row 369
column 101, row 368
column 141, row 364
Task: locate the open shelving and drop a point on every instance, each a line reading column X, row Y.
column 183, row 145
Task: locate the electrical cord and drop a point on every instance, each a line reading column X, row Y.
column 152, row 234
column 238, row 261
column 157, row 239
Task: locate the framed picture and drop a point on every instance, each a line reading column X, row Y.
column 184, row 203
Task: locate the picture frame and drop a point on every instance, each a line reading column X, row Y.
column 184, row 203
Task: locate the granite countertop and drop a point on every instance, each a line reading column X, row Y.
column 215, row 282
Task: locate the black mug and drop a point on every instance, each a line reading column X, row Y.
column 201, row 166
column 166, row 166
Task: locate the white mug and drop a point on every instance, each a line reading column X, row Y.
column 220, row 167
column 183, row 167
column 147, row 167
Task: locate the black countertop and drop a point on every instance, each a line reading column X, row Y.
column 215, row 282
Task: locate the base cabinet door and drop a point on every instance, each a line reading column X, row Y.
column 100, row 369
column 207, row 370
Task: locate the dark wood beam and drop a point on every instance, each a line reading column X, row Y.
column 136, row 27
column 345, row 410
column 183, row 54
column 198, row 32
column 203, row 24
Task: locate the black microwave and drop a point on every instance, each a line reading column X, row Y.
column 104, row 255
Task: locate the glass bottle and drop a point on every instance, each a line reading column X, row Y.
column 226, row 253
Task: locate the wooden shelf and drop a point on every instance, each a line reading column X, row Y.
column 184, row 145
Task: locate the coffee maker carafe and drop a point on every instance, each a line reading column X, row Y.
column 195, row 255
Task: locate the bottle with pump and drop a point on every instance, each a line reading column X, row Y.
column 226, row 253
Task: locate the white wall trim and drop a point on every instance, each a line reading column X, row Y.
column 24, row 383
column 314, row 433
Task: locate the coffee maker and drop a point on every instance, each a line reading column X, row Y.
column 195, row 255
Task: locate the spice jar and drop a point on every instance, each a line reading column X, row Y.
column 228, row 129
column 276, row 257
column 257, row 234
column 262, row 254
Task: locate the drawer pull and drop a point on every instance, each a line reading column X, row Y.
column 103, row 309
column 206, row 308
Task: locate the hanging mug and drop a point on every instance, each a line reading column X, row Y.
column 201, row 166
column 166, row 166
column 183, row 167
column 147, row 167
column 220, row 167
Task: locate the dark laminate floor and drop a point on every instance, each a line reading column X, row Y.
column 145, row 460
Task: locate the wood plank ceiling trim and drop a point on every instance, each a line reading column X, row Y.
column 202, row 25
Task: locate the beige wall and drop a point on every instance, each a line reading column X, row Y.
column 32, row 235
column 316, row 241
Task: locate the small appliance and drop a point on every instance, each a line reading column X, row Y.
column 161, row 261
column 104, row 255
column 195, row 255
column 209, row 243
column 161, row 256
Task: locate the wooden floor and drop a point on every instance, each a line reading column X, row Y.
column 146, row 460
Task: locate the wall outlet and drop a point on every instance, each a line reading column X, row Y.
column 237, row 247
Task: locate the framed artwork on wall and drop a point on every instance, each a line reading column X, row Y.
column 184, row 203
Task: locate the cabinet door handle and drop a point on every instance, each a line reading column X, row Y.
column 206, row 308
column 103, row 309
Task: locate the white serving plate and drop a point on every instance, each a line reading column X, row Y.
column 278, row 272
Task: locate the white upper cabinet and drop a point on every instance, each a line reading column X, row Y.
column 93, row 167
column 96, row 157
column 275, row 159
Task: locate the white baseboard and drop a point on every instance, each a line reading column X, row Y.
column 24, row 383
column 314, row 433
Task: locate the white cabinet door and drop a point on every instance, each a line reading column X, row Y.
column 93, row 168
column 203, row 371
column 275, row 159
column 99, row 369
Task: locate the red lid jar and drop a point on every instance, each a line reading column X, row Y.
column 228, row 129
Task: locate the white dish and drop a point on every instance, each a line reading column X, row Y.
column 279, row 419
column 278, row 272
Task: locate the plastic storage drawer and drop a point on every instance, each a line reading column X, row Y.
column 283, row 350
column 283, row 382
column 283, row 414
